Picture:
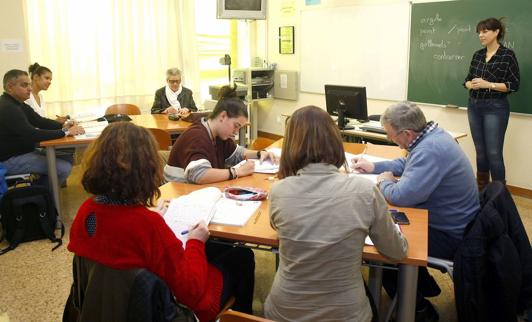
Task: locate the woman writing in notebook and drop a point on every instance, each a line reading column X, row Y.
column 493, row 74
column 206, row 152
column 322, row 217
column 115, row 228
column 41, row 78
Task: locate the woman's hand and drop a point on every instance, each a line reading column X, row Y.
column 478, row 83
column 199, row 231
column 265, row 155
column 246, row 169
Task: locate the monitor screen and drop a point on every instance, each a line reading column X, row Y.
column 351, row 100
column 241, row 9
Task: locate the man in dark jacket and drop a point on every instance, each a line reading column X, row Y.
column 173, row 98
column 21, row 130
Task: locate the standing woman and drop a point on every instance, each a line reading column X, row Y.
column 493, row 74
column 41, row 78
column 322, row 217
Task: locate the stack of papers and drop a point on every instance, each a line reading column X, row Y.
column 93, row 129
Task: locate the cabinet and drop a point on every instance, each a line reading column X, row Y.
column 259, row 84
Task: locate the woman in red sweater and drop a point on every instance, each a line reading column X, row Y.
column 115, row 228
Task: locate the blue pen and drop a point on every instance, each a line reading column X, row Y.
column 184, row 232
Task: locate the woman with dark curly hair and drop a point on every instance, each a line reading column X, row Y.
column 116, row 229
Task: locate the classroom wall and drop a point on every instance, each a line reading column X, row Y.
column 12, row 26
column 288, row 12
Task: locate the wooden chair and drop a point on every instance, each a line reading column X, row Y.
column 163, row 138
column 128, row 109
column 235, row 316
column 260, row 143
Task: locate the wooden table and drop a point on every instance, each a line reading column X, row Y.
column 146, row 120
column 258, row 230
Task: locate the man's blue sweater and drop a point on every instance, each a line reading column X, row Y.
column 436, row 175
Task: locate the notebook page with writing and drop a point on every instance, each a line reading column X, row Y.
column 188, row 210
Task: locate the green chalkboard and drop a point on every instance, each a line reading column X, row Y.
column 442, row 42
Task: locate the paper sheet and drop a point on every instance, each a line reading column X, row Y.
column 234, row 213
column 369, row 242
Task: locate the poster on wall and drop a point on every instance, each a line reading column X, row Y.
column 286, row 40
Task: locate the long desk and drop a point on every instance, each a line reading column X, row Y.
column 365, row 135
column 258, row 230
column 146, row 120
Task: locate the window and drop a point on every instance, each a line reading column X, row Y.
column 215, row 38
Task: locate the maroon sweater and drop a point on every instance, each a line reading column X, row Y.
column 196, row 144
column 136, row 237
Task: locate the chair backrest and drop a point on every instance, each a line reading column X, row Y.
column 261, row 143
column 100, row 293
column 128, row 109
column 235, row 316
column 163, row 138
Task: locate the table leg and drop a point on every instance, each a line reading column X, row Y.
column 406, row 291
column 375, row 284
column 52, row 178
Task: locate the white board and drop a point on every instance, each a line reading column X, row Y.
column 358, row 45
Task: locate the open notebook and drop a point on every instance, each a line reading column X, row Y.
column 207, row 204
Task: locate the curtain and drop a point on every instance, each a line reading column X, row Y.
column 103, row 52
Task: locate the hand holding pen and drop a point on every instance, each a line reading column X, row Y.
column 198, row 231
column 362, row 165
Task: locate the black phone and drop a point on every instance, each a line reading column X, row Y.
column 400, row 218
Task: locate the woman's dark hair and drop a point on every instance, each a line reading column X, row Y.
column 230, row 103
column 123, row 164
column 38, row 70
column 492, row 24
column 311, row 136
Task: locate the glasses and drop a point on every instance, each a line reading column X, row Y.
column 393, row 137
column 173, row 81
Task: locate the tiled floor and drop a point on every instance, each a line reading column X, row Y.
column 35, row 282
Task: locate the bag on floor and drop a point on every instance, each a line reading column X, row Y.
column 28, row 213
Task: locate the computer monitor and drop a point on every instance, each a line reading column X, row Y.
column 346, row 102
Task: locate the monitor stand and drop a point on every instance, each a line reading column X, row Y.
column 342, row 121
column 363, row 121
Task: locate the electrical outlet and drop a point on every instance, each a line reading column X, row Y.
column 278, row 119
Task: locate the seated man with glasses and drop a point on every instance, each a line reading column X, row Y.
column 436, row 175
column 173, row 98
column 206, row 152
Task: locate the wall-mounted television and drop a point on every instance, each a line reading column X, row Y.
column 241, row 9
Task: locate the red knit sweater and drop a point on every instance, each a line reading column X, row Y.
column 133, row 237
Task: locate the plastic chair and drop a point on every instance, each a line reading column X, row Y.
column 163, row 138
column 235, row 316
column 128, row 109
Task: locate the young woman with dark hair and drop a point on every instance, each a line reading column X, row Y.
column 493, row 74
column 206, row 152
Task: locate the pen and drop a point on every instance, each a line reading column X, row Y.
column 257, row 218
column 186, row 231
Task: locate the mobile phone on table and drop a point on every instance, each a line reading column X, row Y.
column 400, row 218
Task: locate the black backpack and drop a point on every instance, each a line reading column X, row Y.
column 28, row 213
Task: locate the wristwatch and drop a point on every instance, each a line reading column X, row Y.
column 66, row 131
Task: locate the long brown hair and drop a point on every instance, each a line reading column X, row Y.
column 311, row 136
column 123, row 164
